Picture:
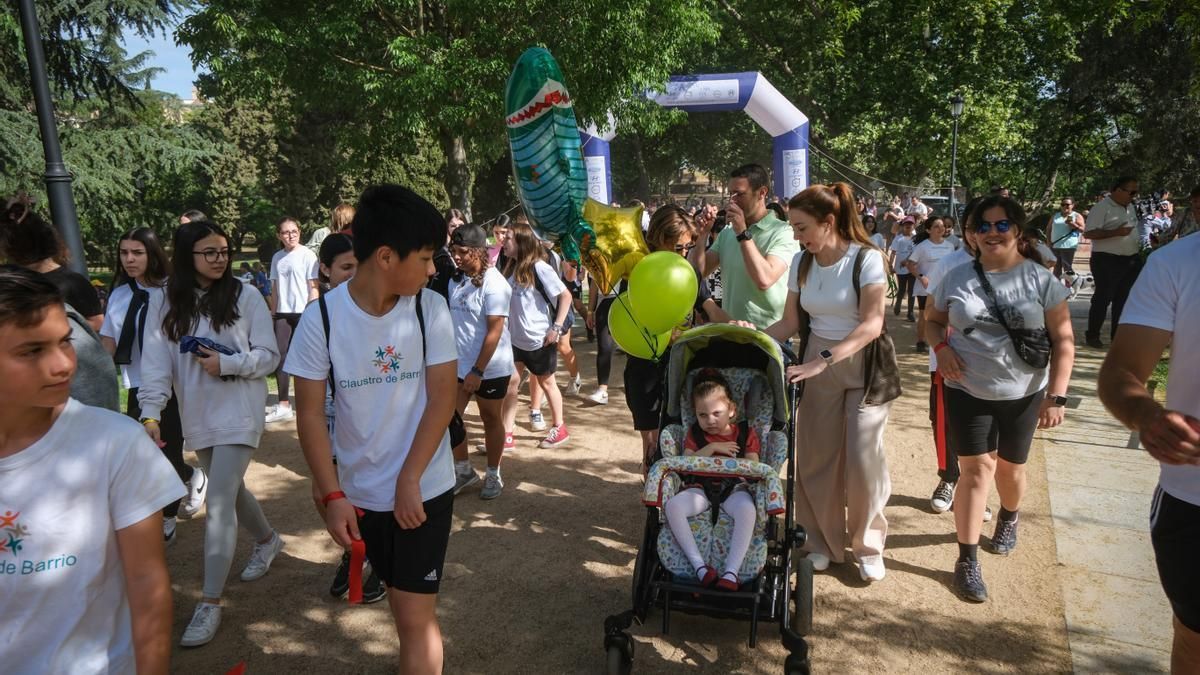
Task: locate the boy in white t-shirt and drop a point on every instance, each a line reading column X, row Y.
column 295, row 282
column 900, row 249
column 393, row 366
column 83, row 574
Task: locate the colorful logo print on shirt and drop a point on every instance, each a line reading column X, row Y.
column 387, row 359
column 12, row 533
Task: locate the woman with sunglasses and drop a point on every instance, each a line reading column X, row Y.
column 988, row 383
column 671, row 229
column 220, row 395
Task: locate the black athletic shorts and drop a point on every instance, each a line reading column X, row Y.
column 409, row 560
column 644, row 391
column 921, row 300
column 1175, row 533
column 540, row 362
column 993, row 433
column 492, row 389
column 970, row 421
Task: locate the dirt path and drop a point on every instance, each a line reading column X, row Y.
column 532, row 575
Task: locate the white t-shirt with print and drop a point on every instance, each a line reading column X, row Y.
column 828, row 294
column 879, row 241
column 63, row 499
column 114, row 322
column 926, row 255
column 1166, row 296
column 529, row 316
column 903, row 246
column 290, row 274
column 379, row 367
column 470, row 307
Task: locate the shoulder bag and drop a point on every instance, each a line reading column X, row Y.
column 1032, row 344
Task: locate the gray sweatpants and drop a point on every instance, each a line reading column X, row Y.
column 229, row 502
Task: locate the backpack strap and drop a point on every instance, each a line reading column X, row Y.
column 421, row 325
column 325, row 323
column 541, row 288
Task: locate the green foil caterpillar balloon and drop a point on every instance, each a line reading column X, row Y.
column 546, row 153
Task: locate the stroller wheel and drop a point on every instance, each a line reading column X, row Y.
column 619, row 655
column 802, row 597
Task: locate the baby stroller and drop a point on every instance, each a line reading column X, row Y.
column 753, row 364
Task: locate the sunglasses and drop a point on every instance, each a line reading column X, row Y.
column 684, row 248
column 983, row 226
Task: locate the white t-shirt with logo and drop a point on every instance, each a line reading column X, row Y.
column 828, row 294
column 470, row 307
column 290, row 274
column 1166, row 296
column 926, row 255
column 379, row 370
column 63, row 597
column 529, row 316
column 114, row 323
column 903, row 246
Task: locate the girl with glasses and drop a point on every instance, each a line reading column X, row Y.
column 219, row 393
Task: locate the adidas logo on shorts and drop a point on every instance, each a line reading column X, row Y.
column 432, row 576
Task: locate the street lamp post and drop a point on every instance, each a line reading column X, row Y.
column 956, row 109
column 58, row 179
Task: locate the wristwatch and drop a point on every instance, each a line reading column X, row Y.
column 826, row 356
column 476, row 372
column 745, row 235
column 1058, row 399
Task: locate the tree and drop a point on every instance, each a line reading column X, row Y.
column 436, row 70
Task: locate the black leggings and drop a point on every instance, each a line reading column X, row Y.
column 172, row 435
column 970, row 422
column 285, row 325
column 1064, row 261
column 604, row 342
column 905, row 284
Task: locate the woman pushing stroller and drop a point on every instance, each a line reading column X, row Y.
column 715, row 433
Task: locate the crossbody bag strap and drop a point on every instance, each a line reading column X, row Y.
column 987, row 288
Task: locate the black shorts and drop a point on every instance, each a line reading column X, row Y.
column 1175, row 533
column 409, row 560
column 993, row 434
column 540, row 362
column 970, row 423
column 644, row 391
column 492, row 389
column 921, row 300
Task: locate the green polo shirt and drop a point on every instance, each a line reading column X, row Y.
column 742, row 298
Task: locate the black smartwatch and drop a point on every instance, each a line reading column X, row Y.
column 1058, row 400
column 745, row 236
column 476, row 372
column 827, row 356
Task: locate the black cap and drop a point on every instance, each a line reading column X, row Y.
column 471, row 236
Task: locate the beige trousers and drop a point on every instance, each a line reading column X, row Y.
column 842, row 481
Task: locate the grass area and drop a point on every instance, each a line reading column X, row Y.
column 1158, row 379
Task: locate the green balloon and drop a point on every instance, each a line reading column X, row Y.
column 632, row 338
column 662, row 290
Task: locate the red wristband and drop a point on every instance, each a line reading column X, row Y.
column 940, row 346
column 332, row 496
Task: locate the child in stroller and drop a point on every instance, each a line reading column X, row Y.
column 715, row 433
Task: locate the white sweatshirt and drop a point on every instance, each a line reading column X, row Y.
column 213, row 411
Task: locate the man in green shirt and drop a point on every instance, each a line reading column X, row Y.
column 753, row 252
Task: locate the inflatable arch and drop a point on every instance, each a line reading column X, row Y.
column 750, row 92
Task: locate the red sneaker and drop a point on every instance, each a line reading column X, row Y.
column 728, row 582
column 509, row 443
column 557, row 436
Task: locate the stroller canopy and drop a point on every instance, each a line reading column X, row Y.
column 726, row 346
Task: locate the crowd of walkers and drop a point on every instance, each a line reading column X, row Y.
column 379, row 337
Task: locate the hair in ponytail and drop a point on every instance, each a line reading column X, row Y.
column 821, row 201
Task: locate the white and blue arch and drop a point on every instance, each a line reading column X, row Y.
column 750, row 92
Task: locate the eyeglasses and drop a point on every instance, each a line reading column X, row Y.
column 983, row 226
column 212, row 255
column 684, row 248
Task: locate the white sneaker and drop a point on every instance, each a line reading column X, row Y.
column 281, row 414
column 203, row 626
column 536, row 421
column 168, row 531
column 871, row 571
column 197, row 492
column 575, row 385
column 262, row 557
column 599, row 396
column 820, row 562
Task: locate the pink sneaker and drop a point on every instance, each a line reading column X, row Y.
column 509, row 443
column 557, row 436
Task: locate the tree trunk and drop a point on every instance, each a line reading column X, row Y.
column 643, row 184
column 458, row 173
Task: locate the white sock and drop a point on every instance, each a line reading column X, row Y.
column 462, row 467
